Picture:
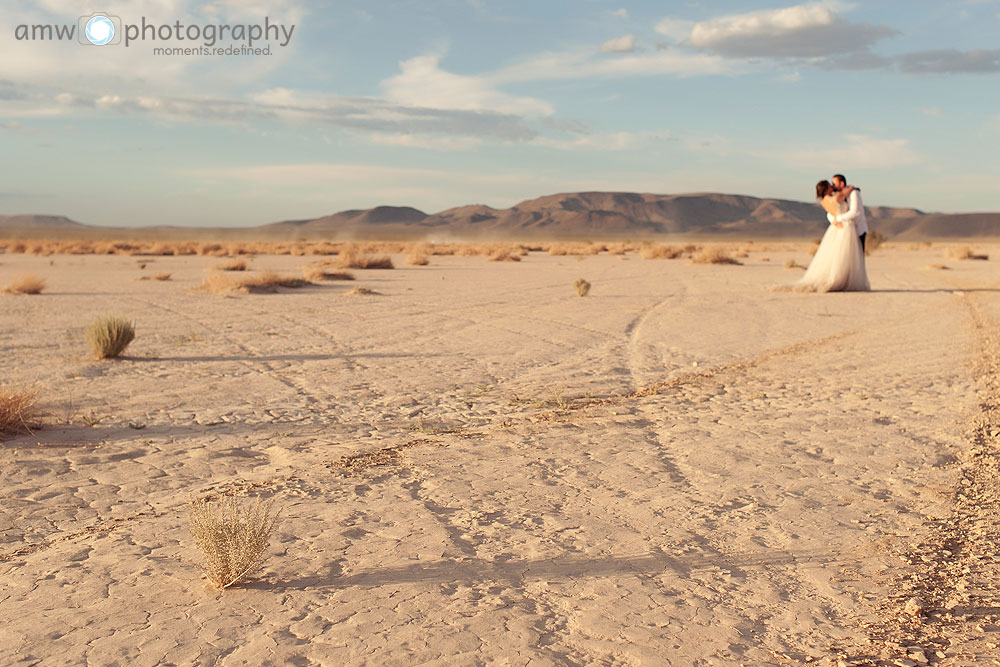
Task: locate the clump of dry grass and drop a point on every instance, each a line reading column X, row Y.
column 232, row 265
column 233, row 538
column 220, row 283
column 109, row 335
column 157, row 276
column 26, row 284
column 660, row 251
column 792, row 264
column 503, row 253
column 713, row 256
column 362, row 291
column 351, row 258
column 17, row 406
column 417, row 258
column 265, row 281
column 582, row 287
column 269, row 281
column 965, row 252
column 321, row 271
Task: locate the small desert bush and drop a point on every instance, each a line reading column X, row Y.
column 713, row 256
column 157, row 276
column 265, row 281
column 351, row 258
column 582, row 287
column 792, row 264
column 232, row 537
column 965, row 252
column 220, row 283
column 232, row 265
column 109, row 335
column 16, row 408
column 319, row 271
column 503, row 253
column 417, row 258
column 660, row 251
column 269, row 281
column 28, row 284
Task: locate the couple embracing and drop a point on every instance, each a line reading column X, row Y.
column 839, row 262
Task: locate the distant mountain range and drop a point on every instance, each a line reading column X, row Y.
column 586, row 214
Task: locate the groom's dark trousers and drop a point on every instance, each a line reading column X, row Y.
column 863, row 237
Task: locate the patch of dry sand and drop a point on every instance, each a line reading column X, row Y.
column 681, row 468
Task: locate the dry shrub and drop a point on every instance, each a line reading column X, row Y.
column 157, row 276
column 965, row 252
column 17, row 406
column 362, row 291
column 263, row 282
column 792, row 264
column 232, row 265
column 233, row 538
column 109, row 335
column 503, row 253
column 27, row 284
column 713, row 256
column 617, row 248
column 219, row 283
column 582, row 287
column 319, row 271
column 351, row 258
column 587, row 248
column 418, row 255
column 660, row 251
column 269, row 281
column 938, row 267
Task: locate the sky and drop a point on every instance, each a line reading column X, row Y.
column 441, row 103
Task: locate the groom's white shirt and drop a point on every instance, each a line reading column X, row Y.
column 855, row 212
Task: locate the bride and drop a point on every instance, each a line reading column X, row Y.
column 839, row 262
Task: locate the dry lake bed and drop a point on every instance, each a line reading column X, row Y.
column 477, row 466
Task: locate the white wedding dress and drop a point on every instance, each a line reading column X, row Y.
column 839, row 262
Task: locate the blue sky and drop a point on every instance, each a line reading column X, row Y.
column 440, row 103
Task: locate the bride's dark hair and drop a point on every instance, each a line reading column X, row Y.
column 822, row 189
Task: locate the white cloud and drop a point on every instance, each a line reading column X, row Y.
column 856, row 151
column 800, row 31
column 441, row 143
column 675, row 29
column 422, row 83
column 277, row 104
column 951, row 61
column 931, row 111
column 621, row 12
column 582, row 65
column 611, row 141
column 623, row 44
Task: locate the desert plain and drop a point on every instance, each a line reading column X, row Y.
column 475, row 465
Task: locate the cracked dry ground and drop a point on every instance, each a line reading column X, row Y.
column 480, row 467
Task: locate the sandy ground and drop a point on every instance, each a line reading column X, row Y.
column 682, row 468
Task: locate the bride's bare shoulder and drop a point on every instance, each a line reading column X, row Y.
column 829, row 203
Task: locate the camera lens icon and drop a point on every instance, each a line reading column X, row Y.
column 100, row 29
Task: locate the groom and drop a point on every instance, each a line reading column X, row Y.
column 856, row 210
